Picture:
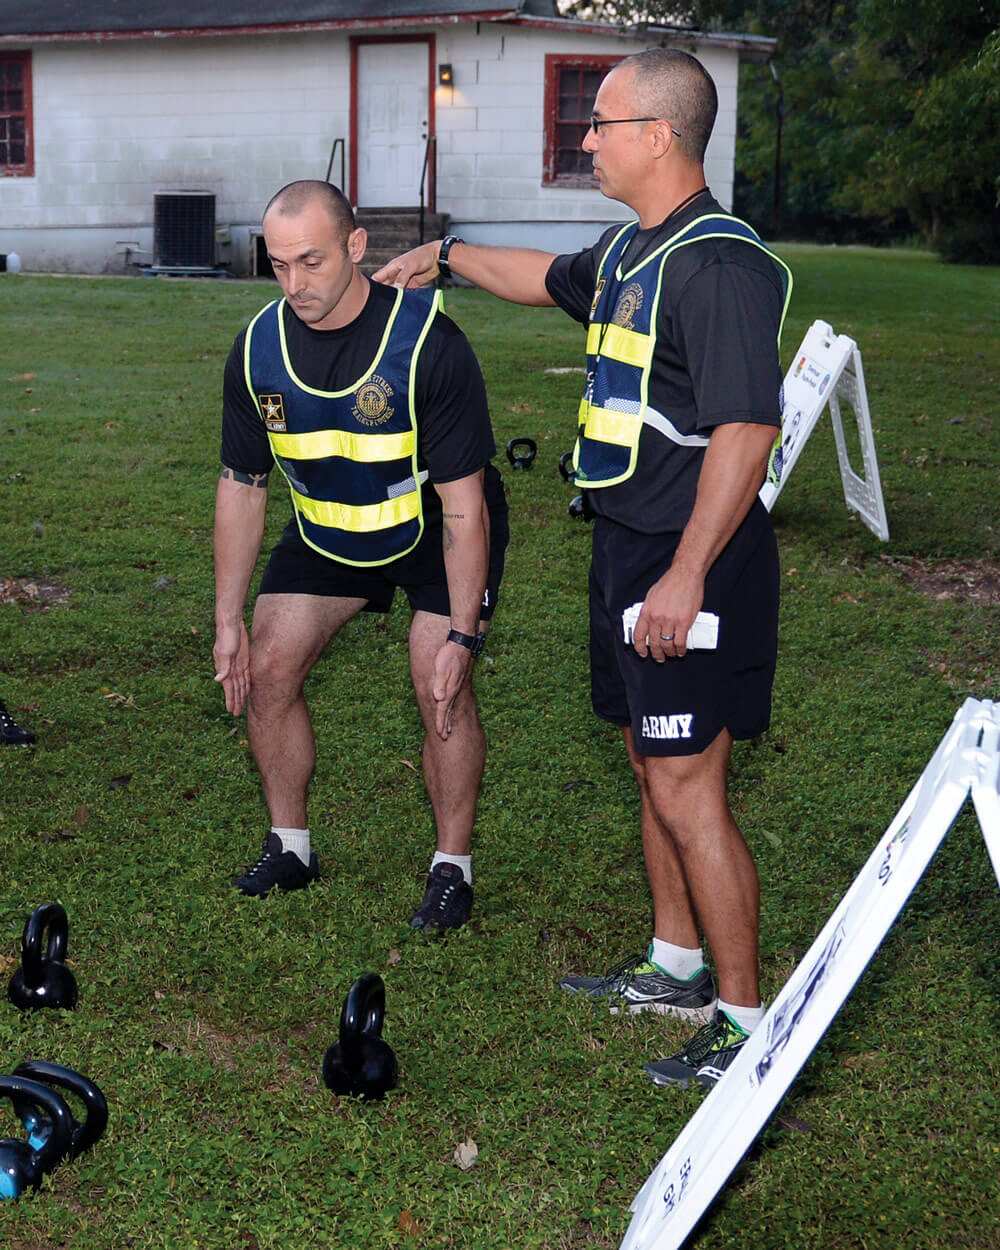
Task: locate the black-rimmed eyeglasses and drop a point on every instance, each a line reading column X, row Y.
column 597, row 122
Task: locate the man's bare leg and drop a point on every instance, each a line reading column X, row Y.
column 673, row 914
column 289, row 634
column 689, row 799
column 453, row 771
column 453, row 766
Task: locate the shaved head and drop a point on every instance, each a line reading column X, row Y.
column 296, row 196
column 677, row 87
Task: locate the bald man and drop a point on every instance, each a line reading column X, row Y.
column 676, row 429
column 372, row 405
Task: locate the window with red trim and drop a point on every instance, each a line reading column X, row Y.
column 16, row 155
column 571, row 84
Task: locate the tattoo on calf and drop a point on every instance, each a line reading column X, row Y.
column 246, row 479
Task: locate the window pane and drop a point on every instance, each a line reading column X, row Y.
column 17, row 134
column 592, row 79
column 15, row 101
column 569, row 137
column 17, row 154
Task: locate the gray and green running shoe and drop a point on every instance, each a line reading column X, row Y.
column 637, row 984
column 704, row 1058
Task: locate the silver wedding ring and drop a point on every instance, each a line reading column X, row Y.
column 666, row 637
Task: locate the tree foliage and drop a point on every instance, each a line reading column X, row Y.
column 888, row 111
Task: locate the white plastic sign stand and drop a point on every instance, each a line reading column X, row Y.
column 827, row 368
column 697, row 1165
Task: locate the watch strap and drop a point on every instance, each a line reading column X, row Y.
column 447, row 243
column 471, row 642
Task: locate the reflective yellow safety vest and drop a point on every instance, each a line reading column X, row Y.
column 350, row 456
column 621, row 341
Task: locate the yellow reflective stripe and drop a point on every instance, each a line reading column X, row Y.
column 618, row 343
column 358, row 519
column 606, row 426
column 365, row 448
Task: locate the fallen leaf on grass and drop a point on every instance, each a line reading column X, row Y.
column 576, row 785
column 191, row 794
column 62, row 835
column 409, row 764
column 466, row 1154
column 117, row 783
column 82, row 814
column 22, row 377
column 408, row 1225
column 122, row 700
column 393, row 958
column 794, row 1124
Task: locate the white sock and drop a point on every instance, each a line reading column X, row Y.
column 296, row 840
column 461, row 861
column 746, row 1017
column 680, row 961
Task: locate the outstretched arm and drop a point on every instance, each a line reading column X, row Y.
column 240, row 505
column 514, row 273
column 466, row 539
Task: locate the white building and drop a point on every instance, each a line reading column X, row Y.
column 107, row 111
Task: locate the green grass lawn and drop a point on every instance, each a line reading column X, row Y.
column 205, row 1017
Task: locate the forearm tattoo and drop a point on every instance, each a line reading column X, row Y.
column 246, row 479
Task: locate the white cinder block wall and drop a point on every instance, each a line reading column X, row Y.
column 117, row 121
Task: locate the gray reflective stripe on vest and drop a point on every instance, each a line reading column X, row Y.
column 663, row 425
column 408, row 483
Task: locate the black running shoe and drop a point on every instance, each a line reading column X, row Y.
column 704, row 1058
column 11, row 733
column 277, row 868
column 447, row 899
column 637, row 984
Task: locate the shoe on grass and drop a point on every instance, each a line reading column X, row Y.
column 277, row 868
column 11, row 733
column 704, row 1058
column 447, row 899
column 636, row 984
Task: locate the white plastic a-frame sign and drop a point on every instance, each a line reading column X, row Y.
column 697, row 1165
column 827, row 368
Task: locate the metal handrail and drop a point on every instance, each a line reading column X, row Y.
column 337, row 143
column 431, row 140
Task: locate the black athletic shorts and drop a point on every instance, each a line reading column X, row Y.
column 680, row 707
column 295, row 568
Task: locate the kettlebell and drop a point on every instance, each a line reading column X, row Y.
column 566, row 471
column 44, row 981
column 39, row 1126
column 526, row 460
column 23, row 1165
column 579, row 508
column 361, row 1063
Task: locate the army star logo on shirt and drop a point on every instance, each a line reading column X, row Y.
column 273, row 410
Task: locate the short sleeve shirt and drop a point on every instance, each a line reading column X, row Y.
column 715, row 361
column 454, row 435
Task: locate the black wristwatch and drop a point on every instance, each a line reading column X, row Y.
column 471, row 642
column 447, row 243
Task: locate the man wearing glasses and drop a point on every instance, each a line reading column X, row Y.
column 677, row 426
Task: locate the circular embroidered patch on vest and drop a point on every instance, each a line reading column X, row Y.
column 371, row 404
column 629, row 303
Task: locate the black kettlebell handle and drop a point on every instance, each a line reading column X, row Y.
column 519, row 461
column 363, row 1011
column 51, row 916
column 566, row 471
column 82, row 1136
column 57, row 1144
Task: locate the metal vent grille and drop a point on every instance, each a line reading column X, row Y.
column 184, row 230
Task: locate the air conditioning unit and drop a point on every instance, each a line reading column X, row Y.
column 184, row 230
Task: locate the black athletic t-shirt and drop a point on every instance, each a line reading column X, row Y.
column 716, row 357
column 454, row 435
